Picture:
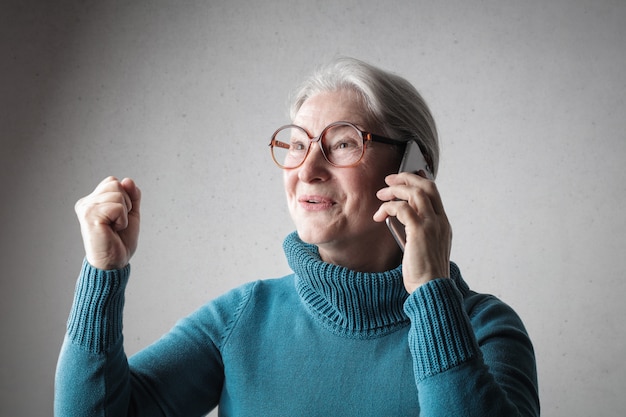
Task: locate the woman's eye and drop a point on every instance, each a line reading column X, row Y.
column 345, row 145
column 298, row 146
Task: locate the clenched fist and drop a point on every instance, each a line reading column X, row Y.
column 109, row 223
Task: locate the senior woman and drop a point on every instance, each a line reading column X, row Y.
column 360, row 328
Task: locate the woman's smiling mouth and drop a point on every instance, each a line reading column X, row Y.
column 315, row 202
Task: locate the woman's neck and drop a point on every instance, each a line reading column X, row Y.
column 364, row 256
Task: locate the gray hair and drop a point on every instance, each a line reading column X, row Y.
column 393, row 105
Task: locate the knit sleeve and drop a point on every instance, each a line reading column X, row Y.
column 95, row 322
column 471, row 354
column 92, row 372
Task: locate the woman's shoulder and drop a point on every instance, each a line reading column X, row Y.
column 483, row 308
column 220, row 316
column 258, row 290
column 230, row 305
column 489, row 314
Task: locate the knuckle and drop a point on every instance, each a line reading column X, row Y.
column 78, row 205
column 431, row 186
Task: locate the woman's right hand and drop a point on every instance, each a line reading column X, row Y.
column 109, row 223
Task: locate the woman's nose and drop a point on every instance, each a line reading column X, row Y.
column 315, row 166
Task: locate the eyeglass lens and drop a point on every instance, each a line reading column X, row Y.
column 342, row 145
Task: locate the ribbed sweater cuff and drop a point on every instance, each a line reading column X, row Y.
column 95, row 321
column 441, row 336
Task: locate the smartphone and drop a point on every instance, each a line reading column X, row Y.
column 412, row 161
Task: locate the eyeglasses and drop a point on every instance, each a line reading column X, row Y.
column 342, row 144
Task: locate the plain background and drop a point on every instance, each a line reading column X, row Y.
column 183, row 97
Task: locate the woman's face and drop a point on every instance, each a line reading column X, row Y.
column 333, row 207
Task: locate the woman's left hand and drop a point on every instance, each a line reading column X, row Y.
column 416, row 203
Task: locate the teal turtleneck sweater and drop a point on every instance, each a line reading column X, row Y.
column 323, row 341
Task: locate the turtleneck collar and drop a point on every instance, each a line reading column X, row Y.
column 351, row 304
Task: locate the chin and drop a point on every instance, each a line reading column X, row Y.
column 313, row 237
column 317, row 231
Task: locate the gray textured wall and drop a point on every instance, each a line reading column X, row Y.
column 182, row 96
